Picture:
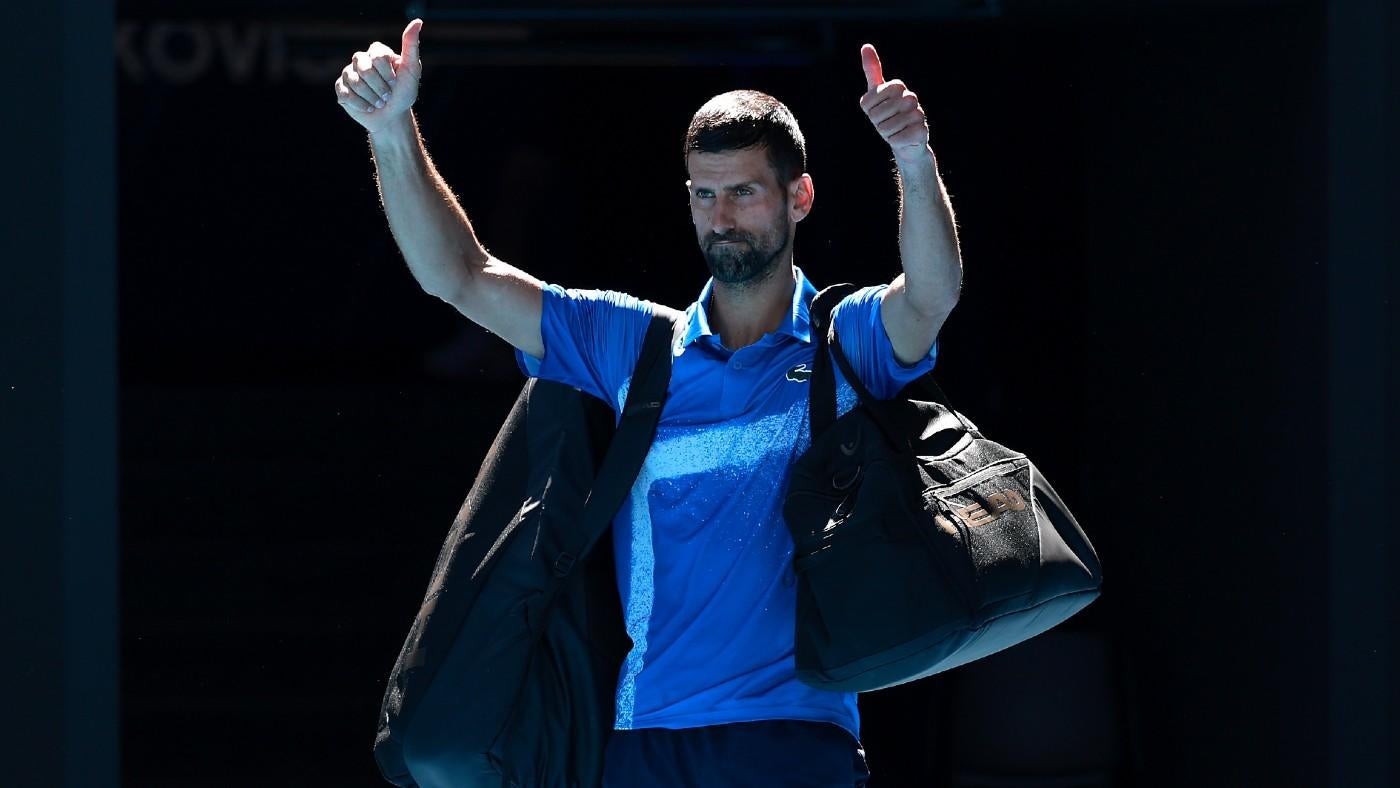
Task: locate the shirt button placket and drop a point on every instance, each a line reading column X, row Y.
column 732, row 387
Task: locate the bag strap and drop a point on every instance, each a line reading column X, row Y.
column 822, row 408
column 646, row 394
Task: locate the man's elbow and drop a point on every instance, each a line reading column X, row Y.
column 926, row 303
column 933, row 310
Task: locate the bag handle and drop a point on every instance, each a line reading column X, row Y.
column 822, row 407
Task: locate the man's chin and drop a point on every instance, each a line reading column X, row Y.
column 729, row 273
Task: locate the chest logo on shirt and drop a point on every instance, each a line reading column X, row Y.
column 799, row 374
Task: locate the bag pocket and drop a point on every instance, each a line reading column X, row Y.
column 875, row 585
column 990, row 512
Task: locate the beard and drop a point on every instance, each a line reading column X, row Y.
column 749, row 261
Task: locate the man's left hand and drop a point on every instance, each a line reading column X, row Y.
column 894, row 110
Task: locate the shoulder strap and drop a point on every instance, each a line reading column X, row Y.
column 635, row 430
column 822, row 407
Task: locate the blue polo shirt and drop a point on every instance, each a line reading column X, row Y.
column 704, row 559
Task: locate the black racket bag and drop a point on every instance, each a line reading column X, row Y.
column 508, row 673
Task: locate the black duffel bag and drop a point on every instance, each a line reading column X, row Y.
column 920, row 545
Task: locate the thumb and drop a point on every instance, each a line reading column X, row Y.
column 408, row 51
column 870, row 61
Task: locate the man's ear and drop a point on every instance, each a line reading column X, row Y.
column 801, row 193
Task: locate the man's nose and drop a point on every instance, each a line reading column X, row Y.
column 722, row 220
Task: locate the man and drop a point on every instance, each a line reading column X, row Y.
column 708, row 693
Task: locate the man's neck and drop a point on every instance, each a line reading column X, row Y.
column 740, row 316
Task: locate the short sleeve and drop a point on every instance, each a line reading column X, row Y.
column 861, row 332
column 591, row 341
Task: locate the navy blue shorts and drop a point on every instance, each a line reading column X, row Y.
column 768, row 753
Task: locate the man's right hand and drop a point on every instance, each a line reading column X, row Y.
column 431, row 229
column 379, row 85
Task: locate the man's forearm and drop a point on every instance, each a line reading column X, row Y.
column 928, row 238
column 432, row 230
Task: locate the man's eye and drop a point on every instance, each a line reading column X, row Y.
column 703, row 195
column 743, row 192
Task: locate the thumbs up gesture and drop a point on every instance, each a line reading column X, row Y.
column 894, row 110
column 379, row 85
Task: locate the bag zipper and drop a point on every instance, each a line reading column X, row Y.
column 962, row 484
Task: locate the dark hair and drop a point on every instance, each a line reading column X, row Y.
column 744, row 118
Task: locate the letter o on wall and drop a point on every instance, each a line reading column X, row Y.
column 166, row 63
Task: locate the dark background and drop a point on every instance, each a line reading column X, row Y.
column 1175, row 222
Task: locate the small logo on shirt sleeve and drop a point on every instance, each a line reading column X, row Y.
column 799, row 374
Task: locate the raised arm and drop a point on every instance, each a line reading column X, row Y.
column 920, row 299
column 430, row 227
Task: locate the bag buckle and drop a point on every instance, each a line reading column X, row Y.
column 563, row 564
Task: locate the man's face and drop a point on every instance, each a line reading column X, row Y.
column 740, row 212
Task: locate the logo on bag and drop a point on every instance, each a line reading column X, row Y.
column 799, row 374
column 945, row 526
column 978, row 515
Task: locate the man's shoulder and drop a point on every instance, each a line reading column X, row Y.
column 854, row 301
column 862, row 295
column 607, row 300
column 604, row 297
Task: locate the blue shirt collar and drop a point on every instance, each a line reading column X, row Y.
column 796, row 323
